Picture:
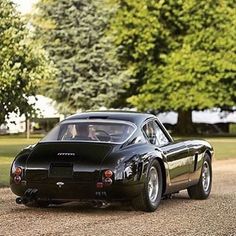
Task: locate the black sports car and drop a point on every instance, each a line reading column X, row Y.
column 111, row 156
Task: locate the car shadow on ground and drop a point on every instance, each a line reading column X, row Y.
column 75, row 207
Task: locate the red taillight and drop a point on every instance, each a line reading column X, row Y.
column 99, row 185
column 108, row 173
column 18, row 171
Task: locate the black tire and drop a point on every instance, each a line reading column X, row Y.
column 144, row 202
column 201, row 191
column 37, row 204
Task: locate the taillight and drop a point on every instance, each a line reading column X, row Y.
column 108, row 173
column 18, row 171
column 107, row 181
column 99, row 185
column 17, row 179
column 17, row 175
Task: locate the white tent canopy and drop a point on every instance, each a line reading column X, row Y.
column 208, row 116
column 45, row 108
column 214, row 116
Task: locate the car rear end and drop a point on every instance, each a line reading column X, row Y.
column 61, row 168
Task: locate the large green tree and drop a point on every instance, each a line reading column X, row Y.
column 22, row 64
column 73, row 32
column 183, row 54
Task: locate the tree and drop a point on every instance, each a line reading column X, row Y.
column 73, row 32
column 22, row 64
column 188, row 62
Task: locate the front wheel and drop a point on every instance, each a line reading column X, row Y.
column 150, row 197
column 203, row 188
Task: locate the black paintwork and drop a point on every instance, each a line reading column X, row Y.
column 181, row 163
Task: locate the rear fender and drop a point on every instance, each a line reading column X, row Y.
column 164, row 168
column 20, row 159
column 127, row 164
column 130, row 166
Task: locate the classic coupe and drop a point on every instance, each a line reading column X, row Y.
column 109, row 156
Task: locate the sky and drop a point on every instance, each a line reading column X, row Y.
column 24, row 6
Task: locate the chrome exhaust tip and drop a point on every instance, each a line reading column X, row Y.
column 100, row 204
column 19, row 200
column 30, row 195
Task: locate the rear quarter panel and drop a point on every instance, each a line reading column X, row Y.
column 130, row 166
column 197, row 150
column 19, row 161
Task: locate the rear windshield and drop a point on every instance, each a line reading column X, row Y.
column 91, row 131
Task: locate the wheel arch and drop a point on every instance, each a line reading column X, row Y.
column 210, row 153
column 163, row 172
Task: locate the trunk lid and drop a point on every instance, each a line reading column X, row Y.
column 67, row 161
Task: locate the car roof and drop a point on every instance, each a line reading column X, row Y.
column 134, row 117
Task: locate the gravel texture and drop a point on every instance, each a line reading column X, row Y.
column 177, row 216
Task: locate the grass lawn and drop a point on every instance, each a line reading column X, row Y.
column 225, row 148
column 9, row 147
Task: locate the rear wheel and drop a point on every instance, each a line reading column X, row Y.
column 203, row 188
column 150, row 197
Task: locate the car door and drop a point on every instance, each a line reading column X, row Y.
column 176, row 153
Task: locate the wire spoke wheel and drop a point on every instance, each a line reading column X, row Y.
column 206, row 178
column 150, row 198
column 203, row 188
column 153, row 186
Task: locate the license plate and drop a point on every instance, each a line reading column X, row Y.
column 61, row 171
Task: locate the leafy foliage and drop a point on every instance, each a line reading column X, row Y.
column 182, row 53
column 22, row 64
column 73, row 32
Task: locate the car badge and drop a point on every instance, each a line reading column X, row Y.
column 60, row 184
column 65, row 154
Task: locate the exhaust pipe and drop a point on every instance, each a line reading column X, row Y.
column 100, row 204
column 23, row 200
column 30, row 195
column 19, row 200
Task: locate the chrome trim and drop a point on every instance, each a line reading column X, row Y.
column 66, row 154
column 60, row 184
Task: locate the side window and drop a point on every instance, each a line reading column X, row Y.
column 161, row 138
column 154, row 134
column 149, row 131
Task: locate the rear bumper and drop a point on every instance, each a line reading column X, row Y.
column 79, row 191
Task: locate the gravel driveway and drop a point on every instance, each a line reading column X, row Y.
column 177, row 216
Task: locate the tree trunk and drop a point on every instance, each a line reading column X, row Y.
column 185, row 124
column 27, row 126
